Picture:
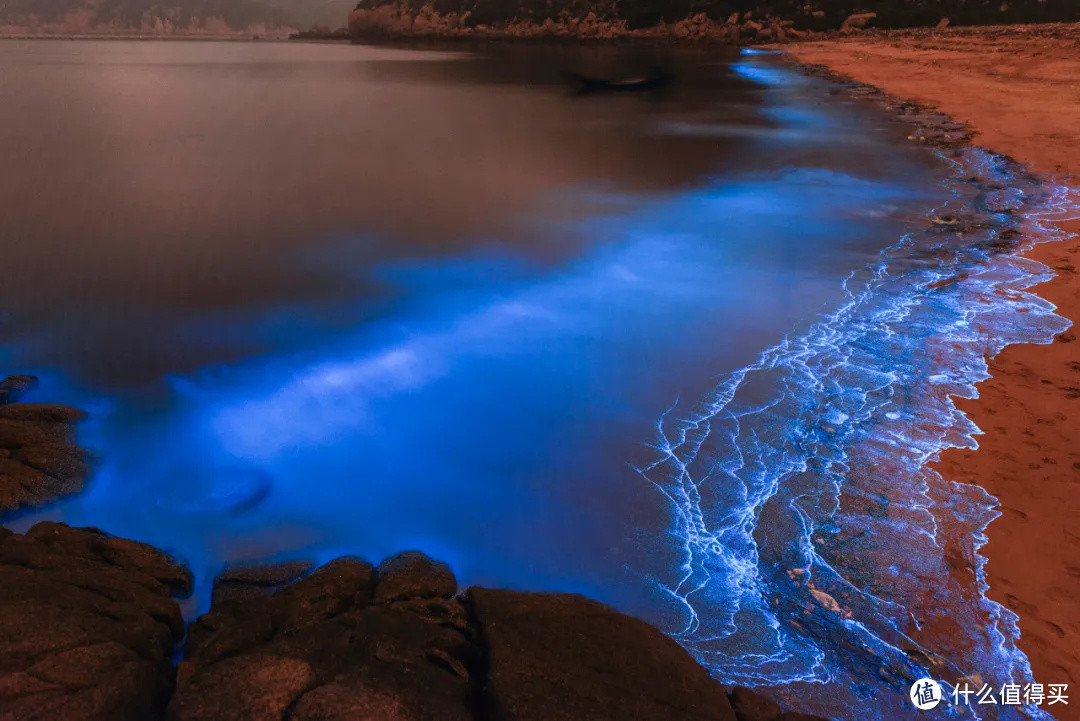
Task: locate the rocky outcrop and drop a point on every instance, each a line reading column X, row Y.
column 561, row 656
column 39, row 461
column 88, row 624
column 413, row 575
column 340, row 643
column 349, row 641
column 749, row 705
column 256, row 581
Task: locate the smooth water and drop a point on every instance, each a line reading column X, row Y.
column 329, row 299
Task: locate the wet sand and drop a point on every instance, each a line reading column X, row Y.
column 1018, row 87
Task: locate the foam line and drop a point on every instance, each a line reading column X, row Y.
column 816, row 544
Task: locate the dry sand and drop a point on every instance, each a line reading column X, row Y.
column 1018, row 87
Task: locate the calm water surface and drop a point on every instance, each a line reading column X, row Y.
column 326, row 299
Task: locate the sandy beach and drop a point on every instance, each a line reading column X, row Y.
column 1018, row 88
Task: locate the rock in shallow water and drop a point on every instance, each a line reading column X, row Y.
column 752, row 706
column 323, row 647
column 250, row 581
column 563, row 656
column 39, row 461
column 87, row 625
column 412, row 574
column 351, row 643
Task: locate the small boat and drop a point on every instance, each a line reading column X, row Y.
column 654, row 81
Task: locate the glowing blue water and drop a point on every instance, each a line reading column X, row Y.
column 827, row 436
column 609, row 423
column 817, row 544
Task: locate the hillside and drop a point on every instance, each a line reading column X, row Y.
column 724, row 20
column 167, row 17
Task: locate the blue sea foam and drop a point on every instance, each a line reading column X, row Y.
column 816, row 542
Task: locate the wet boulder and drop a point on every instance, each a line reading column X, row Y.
column 563, row 656
column 325, row 647
column 39, row 461
column 412, row 574
column 348, row 641
column 749, row 705
column 88, row 625
column 250, row 581
column 251, row 687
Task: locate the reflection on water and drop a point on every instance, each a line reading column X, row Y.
column 329, row 299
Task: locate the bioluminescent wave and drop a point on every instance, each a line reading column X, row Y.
column 817, row 544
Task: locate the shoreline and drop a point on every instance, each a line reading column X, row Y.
column 1004, row 83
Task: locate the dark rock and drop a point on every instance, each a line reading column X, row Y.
column 232, row 591
column 246, row 688
column 858, row 20
column 248, row 581
column 749, row 705
column 39, row 461
column 342, row 584
column 41, row 412
column 323, row 648
column 154, row 567
column 342, row 701
column 327, row 647
column 87, row 626
column 267, row 574
column 14, row 387
column 562, row 656
column 413, row 575
column 224, row 632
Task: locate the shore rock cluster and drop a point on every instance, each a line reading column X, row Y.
column 39, row 461
column 715, row 21
column 89, row 625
